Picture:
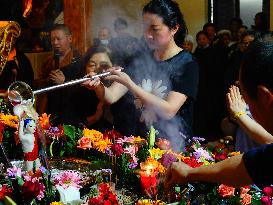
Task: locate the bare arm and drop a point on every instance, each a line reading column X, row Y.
column 166, row 108
column 231, row 172
column 251, row 127
column 254, row 130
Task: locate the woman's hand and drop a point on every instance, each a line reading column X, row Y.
column 119, row 76
column 92, row 84
column 235, row 102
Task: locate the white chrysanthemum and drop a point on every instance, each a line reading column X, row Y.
column 156, row 88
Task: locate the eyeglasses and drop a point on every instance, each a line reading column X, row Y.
column 102, row 66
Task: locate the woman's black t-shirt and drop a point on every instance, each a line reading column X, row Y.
column 178, row 74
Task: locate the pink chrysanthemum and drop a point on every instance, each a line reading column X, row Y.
column 67, row 179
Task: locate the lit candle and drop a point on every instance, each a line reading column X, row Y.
column 148, row 179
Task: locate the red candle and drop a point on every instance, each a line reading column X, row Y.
column 148, row 180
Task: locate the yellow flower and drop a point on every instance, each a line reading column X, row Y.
column 234, row 153
column 205, row 163
column 93, row 134
column 138, row 139
column 183, row 158
column 87, row 133
column 157, row 165
column 56, row 203
column 9, row 120
column 156, row 153
column 97, row 136
column 102, row 144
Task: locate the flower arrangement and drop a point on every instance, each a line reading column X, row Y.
column 125, row 156
column 26, row 188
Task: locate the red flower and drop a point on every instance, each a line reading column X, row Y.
column 268, row 191
column 5, row 191
column 93, row 201
column 31, row 190
column 117, row 148
column 220, row 156
column 112, row 134
column 266, row 200
column 192, row 162
column 106, row 197
column 104, row 189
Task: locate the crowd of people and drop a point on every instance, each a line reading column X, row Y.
column 160, row 80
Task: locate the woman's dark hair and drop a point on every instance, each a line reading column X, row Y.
column 169, row 11
column 93, row 50
column 257, row 66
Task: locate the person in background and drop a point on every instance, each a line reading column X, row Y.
column 161, row 92
column 94, row 113
column 124, row 45
column 234, row 26
column 15, row 66
column 188, row 43
column 235, row 58
column 211, row 31
column 261, row 24
column 104, row 37
column 204, row 110
column 254, row 166
column 62, row 66
column 224, row 37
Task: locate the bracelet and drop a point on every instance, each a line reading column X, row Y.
column 238, row 114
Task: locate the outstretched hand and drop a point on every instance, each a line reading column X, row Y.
column 235, row 102
column 177, row 174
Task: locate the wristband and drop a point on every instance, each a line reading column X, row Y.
column 238, row 114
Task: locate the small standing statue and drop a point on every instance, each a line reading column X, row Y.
column 28, row 136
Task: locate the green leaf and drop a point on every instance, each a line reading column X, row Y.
column 20, row 181
column 70, row 131
column 62, row 153
column 51, row 148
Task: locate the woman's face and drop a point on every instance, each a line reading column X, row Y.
column 202, row 40
column 156, row 33
column 188, row 46
column 98, row 62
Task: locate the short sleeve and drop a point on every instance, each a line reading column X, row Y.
column 258, row 163
column 185, row 80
